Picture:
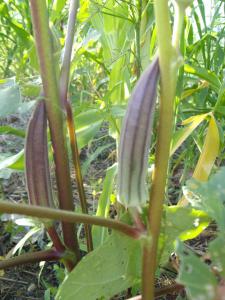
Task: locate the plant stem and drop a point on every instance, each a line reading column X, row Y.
column 34, row 257
column 178, row 25
column 77, row 166
column 55, row 117
column 167, row 92
column 138, row 38
column 64, row 82
column 65, row 69
column 68, row 216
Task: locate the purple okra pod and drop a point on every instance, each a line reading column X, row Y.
column 135, row 140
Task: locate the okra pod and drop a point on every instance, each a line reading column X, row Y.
column 135, row 140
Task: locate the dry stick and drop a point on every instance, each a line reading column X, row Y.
column 55, row 117
column 64, row 82
column 68, row 216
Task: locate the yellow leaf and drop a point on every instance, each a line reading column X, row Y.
column 209, row 152
column 181, row 135
column 208, row 156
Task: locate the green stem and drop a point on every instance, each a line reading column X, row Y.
column 138, row 38
column 55, row 117
column 65, row 69
column 167, row 63
column 68, row 216
column 178, row 25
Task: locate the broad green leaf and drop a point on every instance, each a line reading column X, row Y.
column 100, row 233
column 209, row 196
column 15, row 162
column 11, row 130
column 199, row 281
column 9, row 100
column 204, row 74
column 182, row 134
column 209, row 153
column 193, row 223
column 108, row 270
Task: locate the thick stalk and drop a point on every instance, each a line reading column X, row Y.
column 68, row 216
column 167, row 92
column 64, row 83
column 55, row 117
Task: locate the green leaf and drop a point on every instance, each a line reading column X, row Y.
column 217, row 253
column 87, row 125
column 209, row 196
column 199, row 281
column 193, row 223
column 15, row 162
column 100, row 233
column 11, row 130
column 204, row 74
column 108, row 270
column 9, row 100
column 57, row 8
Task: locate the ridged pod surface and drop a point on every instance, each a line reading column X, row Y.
column 135, row 140
column 36, row 159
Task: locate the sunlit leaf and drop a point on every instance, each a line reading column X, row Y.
column 182, row 134
column 11, row 130
column 209, row 153
column 193, row 223
column 204, row 74
column 13, row 162
column 100, row 233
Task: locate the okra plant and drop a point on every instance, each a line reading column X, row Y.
column 124, row 253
